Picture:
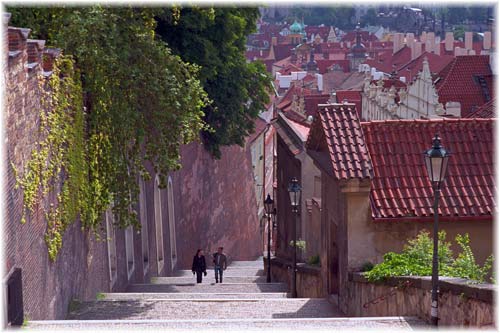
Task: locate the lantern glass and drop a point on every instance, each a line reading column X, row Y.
column 268, row 204
column 436, row 161
column 294, row 191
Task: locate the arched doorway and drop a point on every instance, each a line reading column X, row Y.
column 171, row 223
column 158, row 226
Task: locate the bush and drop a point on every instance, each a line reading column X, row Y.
column 367, row 266
column 314, row 260
column 416, row 259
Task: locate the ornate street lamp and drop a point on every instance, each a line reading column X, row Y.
column 294, row 190
column 269, row 206
column 436, row 162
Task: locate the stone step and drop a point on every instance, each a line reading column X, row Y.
column 204, row 309
column 348, row 324
column 183, row 296
column 208, row 287
column 208, row 279
column 230, row 271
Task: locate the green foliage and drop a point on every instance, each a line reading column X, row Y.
column 459, row 33
column 300, row 244
column 214, row 38
column 314, row 260
column 416, row 259
column 142, row 102
column 367, row 266
column 338, row 16
column 100, row 296
column 465, row 265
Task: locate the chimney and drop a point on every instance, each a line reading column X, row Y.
column 429, row 45
column 423, row 37
column 460, row 51
column 487, row 40
column 417, row 50
column 410, row 39
column 468, row 40
column 471, row 52
column 432, row 38
column 348, row 44
column 398, row 42
column 448, row 41
column 274, row 41
column 437, row 46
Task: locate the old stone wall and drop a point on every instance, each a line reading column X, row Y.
column 80, row 269
column 309, row 284
column 461, row 304
column 215, row 205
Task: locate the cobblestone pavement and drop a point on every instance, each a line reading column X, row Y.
column 214, row 295
column 209, row 279
column 209, row 309
column 208, row 288
column 242, row 302
column 321, row 324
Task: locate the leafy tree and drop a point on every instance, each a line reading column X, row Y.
column 214, row 39
column 459, row 32
column 370, row 18
column 142, row 101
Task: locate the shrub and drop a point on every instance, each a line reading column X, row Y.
column 416, row 259
column 314, row 260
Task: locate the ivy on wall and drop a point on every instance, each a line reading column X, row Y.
column 141, row 104
column 59, row 163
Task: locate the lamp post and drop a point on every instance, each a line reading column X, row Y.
column 269, row 206
column 436, row 162
column 294, row 191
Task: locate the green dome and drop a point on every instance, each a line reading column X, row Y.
column 296, row 28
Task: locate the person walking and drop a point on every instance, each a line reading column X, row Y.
column 199, row 265
column 220, row 263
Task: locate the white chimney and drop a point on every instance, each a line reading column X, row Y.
column 410, row 39
column 402, row 79
column 429, row 45
column 468, row 40
column 319, row 79
column 423, row 37
column 395, row 43
column 348, row 44
column 448, row 41
column 487, row 40
column 432, row 38
column 453, row 108
column 437, row 46
column 417, row 50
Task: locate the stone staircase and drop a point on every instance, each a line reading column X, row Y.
column 243, row 301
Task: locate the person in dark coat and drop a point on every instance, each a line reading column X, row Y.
column 199, row 265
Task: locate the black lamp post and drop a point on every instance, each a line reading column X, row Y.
column 294, row 190
column 436, row 162
column 269, row 206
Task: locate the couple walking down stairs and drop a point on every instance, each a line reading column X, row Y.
column 243, row 301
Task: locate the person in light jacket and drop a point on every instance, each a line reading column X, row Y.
column 199, row 265
column 220, row 263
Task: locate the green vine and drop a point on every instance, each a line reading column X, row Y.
column 58, row 163
column 141, row 104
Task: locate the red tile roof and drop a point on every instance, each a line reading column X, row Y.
column 351, row 96
column 387, row 61
column 459, row 82
column 366, row 36
column 400, row 187
column 436, row 64
column 485, row 111
column 337, row 145
column 311, row 103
